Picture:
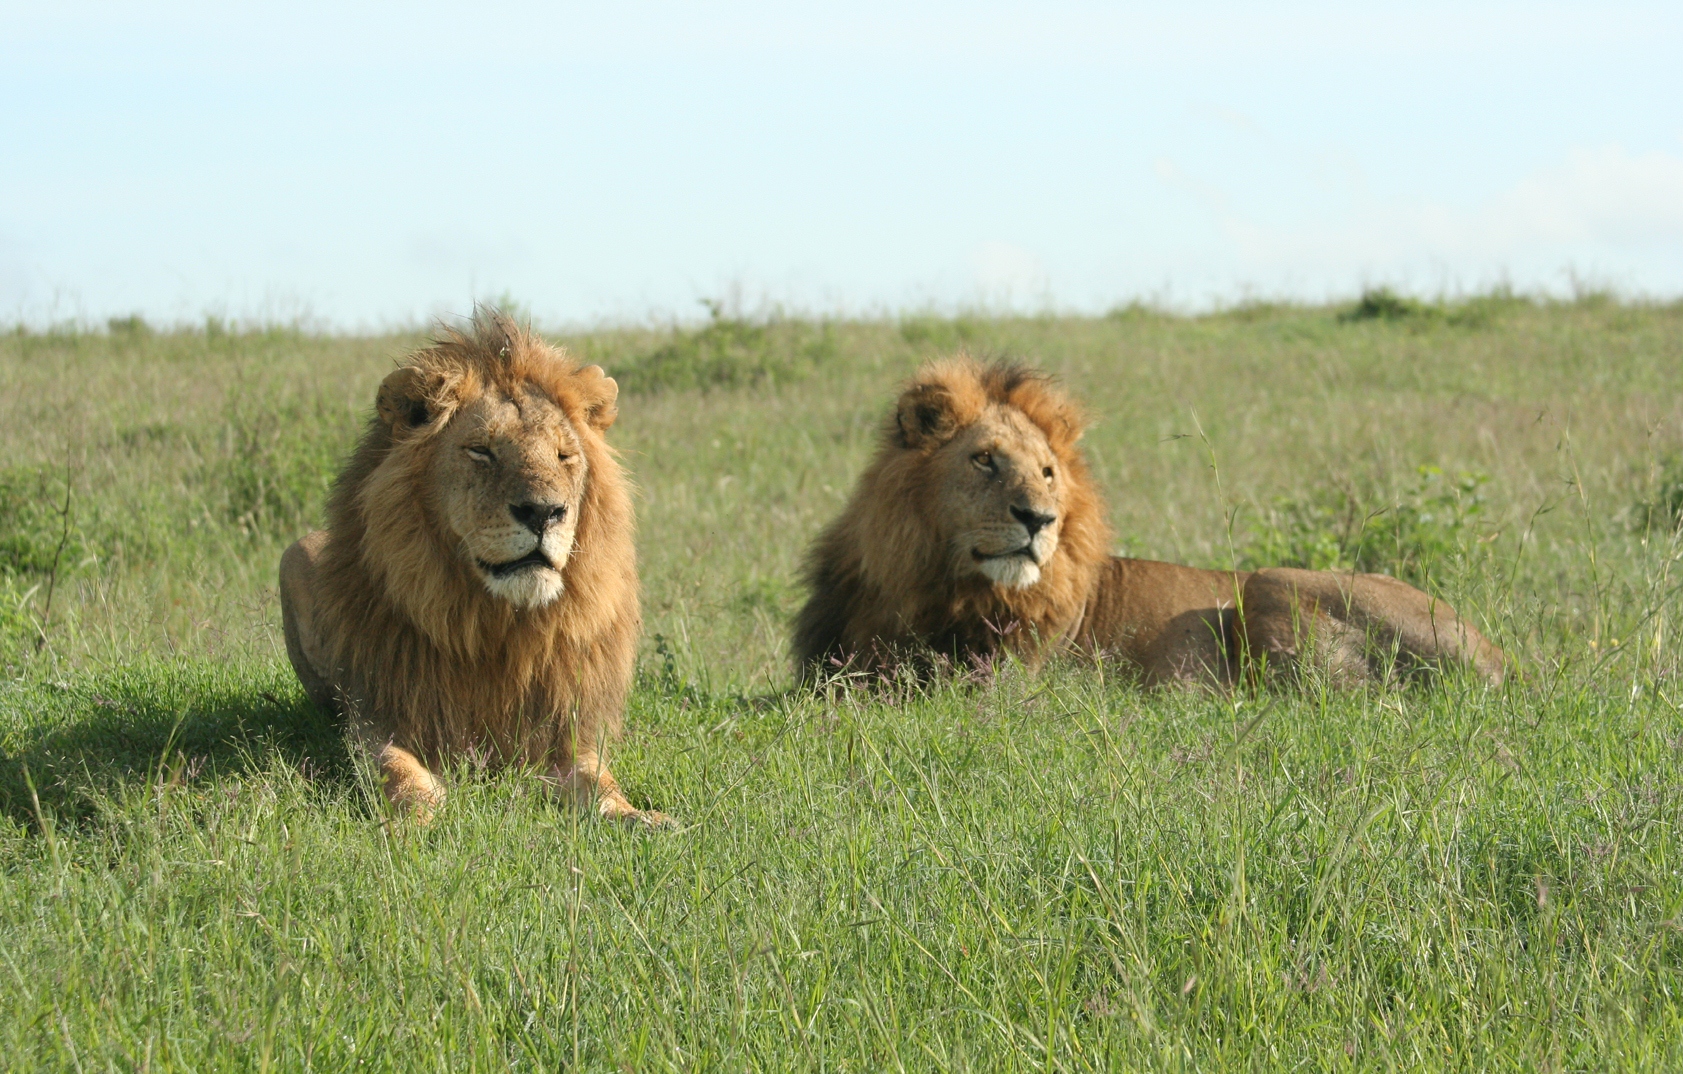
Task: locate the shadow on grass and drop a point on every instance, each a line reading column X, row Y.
column 94, row 739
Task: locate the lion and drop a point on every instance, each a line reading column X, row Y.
column 475, row 592
column 976, row 530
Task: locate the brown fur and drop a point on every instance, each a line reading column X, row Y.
column 389, row 620
column 890, row 582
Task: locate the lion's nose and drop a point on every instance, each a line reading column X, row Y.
column 538, row 517
column 1032, row 520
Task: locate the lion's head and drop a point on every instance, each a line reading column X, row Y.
column 975, row 521
column 991, row 471
column 503, row 462
column 486, row 471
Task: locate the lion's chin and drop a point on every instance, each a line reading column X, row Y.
column 532, row 587
column 1012, row 572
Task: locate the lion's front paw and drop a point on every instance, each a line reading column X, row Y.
column 617, row 808
column 415, row 801
column 651, row 818
column 411, row 790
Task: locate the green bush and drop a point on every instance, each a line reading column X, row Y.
column 1481, row 311
column 930, row 332
column 1432, row 523
column 1135, row 310
column 1476, row 311
column 1384, row 304
column 133, row 326
column 730, row 352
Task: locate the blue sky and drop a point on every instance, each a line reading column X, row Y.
column 365, row 164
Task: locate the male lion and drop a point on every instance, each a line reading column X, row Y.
column 475, row 592
column 976, row 529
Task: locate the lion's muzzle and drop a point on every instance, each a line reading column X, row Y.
column 527, row 574
column 1018, row 567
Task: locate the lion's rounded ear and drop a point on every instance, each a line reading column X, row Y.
column 601, row 396
column 409, row 398
column 925, row 413
column 1069, row 425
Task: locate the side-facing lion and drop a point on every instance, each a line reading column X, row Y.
column 976, row 528
column 475, row 593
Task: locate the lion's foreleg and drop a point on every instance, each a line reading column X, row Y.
column 409, row 786
column 411, row 789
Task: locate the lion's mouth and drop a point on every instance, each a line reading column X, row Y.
column 1027, row 552
column 533, row 559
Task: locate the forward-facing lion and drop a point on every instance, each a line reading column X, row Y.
column 475, row 593
column 976, row 529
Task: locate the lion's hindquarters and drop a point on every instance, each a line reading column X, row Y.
column 1426, row 627
column 300, row 617
column 1358, row 626
column 1289, row 618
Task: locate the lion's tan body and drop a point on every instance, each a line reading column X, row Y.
column 980, row 461
column 475, row 594
column 1182, row 624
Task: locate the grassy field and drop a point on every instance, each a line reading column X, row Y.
column 1041, row 873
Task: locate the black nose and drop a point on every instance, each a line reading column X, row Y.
column 1032, row 520
column 538, row 517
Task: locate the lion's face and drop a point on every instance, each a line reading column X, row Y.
column 1000, row 494
column 498, row 464
column 510, row 475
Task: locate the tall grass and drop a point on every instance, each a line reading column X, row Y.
column 1050, row 872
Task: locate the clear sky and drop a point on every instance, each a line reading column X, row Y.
column 369, row 164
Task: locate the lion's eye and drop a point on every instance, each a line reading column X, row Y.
column 1047, row 473
column 562, row 456
column 983, row 459
column 481, row 454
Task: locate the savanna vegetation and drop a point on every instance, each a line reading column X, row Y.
column 1052, row 872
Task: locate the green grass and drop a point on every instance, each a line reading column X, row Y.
column 1038, row 873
